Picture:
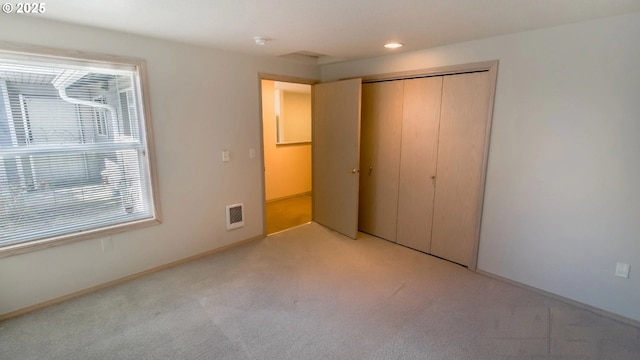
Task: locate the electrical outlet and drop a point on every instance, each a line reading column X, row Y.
column 622, row 270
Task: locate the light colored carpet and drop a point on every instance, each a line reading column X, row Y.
column 309, row 293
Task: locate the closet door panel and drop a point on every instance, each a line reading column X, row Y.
column 380, row 158
column 461, row 151
column 421, row 114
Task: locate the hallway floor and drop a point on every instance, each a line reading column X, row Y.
column 287, row 213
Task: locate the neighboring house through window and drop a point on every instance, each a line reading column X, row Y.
column 74, row 153
column 100, row 116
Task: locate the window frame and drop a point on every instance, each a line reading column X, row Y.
column 74, row 57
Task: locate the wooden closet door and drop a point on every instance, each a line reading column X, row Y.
column 421, row 114
column 461, row 153
column 380, row 157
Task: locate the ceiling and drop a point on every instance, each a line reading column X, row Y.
column 329, row 30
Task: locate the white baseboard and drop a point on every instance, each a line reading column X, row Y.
column 583, row 306
column 122, row 280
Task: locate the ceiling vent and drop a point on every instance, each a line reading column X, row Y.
column 307, row 57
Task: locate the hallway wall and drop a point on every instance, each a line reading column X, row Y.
column 287, row 167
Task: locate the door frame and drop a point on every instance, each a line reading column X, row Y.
column 282, row 78
column 490, row 66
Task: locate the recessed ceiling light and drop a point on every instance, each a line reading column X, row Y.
column 261, row 40
column 392, row 45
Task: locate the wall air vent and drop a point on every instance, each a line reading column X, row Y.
column 235, row 216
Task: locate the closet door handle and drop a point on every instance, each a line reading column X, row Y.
column 353, row 171
column 370, row 169
column 433, row 177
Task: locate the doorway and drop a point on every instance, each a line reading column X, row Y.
column 336, row 152
column 286, row 133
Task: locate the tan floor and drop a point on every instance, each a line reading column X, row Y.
column 287, row 213
column 311, row 293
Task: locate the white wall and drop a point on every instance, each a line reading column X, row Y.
column 562, row 201
column 202, row 101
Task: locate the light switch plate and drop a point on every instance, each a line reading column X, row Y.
column 622, row 270
column 225, row 155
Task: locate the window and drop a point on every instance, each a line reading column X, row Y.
column 100, row 116
column 74, row 153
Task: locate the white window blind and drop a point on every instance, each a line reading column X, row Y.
column 73, row 151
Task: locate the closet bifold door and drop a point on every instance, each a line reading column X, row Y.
column 381, row 128
column 463, row 126
column 419, row 150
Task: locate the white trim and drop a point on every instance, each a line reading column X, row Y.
column 593, row 309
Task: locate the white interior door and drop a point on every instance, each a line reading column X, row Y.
column 336, row 155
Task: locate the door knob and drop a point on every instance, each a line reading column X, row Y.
column 370, row 169
column 353, row 171
column 433, row 177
